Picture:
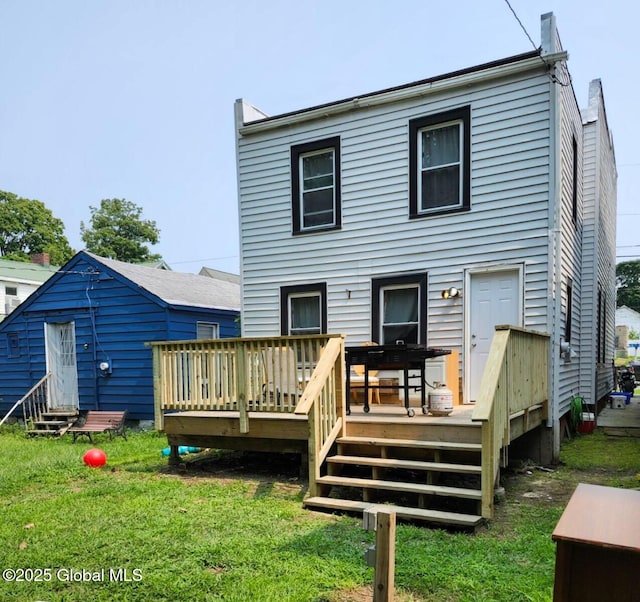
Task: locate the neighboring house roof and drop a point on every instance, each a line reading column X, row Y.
column 161, row 264
column 178, row 288
column 23, row 271
column 625, row 316
column 211, row 273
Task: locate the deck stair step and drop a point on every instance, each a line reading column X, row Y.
column 53, row 423
column 411, row 443
column 405, row 464
column 428, row 480
column 47, row 423
column 402, row 512
column 458, row 492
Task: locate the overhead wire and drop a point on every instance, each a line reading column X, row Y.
column 554, row 78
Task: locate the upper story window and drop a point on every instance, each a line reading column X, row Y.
column 440, row 163
column 303, row 309
column 315, row 185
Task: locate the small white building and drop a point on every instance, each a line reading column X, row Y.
column 18, row 279
column 433, row 211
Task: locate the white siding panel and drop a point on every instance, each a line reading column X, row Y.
column 508, row 222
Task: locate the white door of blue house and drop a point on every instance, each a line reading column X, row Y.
column 494, row 299
column 60, row 341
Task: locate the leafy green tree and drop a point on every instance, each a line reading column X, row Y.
column 117, row 231
column 27, row 227
column 628, row 282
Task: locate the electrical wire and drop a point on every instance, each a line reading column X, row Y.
column 552, row 76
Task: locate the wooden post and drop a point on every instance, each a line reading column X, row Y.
column 157, row 389
column 383, row 584
column 241, row 387
column 384, row 554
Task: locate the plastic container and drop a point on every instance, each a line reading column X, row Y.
column 618, row 400
column 588, row 423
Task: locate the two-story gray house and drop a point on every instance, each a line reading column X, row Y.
column 433, row 211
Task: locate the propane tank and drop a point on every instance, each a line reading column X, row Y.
column 440, row 400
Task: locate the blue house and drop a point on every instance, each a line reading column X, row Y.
column 88, row 326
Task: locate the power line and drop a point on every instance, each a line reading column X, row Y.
column 552, row 76
column 521, row 25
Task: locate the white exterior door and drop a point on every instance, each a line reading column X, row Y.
column 495, row 299
column 60, row 340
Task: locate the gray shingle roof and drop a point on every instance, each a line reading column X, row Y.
column 178, row 288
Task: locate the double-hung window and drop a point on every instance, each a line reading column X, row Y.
column 440, row 157
column 303, row 309
column 399, row 309
column 315, row 185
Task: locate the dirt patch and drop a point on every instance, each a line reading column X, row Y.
column 365, row 594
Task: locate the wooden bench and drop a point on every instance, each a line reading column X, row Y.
column 100, row 422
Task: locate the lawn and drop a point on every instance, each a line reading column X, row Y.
column 232, row 527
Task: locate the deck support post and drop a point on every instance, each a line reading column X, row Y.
column 174, row 456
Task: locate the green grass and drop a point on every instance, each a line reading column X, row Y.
column 237, row 531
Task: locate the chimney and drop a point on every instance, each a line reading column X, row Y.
column 41, row 259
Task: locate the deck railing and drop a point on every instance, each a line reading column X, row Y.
column 266, row 374
column 323, row 401
column 515, row 382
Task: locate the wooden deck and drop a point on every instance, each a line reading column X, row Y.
column 233, row 394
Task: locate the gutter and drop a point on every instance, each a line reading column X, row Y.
column 419, row 89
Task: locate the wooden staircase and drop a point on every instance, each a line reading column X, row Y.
column 53, row 423
column 430, row 481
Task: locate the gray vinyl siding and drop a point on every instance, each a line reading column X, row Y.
column 507, row 224
column 589, row 354
column 599, row 247
column 571, row 242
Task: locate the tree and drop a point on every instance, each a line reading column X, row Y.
column 117, row 231
column 628, row 282
column 27, row 227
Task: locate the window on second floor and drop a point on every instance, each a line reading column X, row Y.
column 440, row 163
column 574, row 181
column 315, row 186
column 569, row 315
column 303, row 309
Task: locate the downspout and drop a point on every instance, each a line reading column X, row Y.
column 555, row 239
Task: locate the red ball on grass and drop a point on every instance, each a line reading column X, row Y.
column 94, row 457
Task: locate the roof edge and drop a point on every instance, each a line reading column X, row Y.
column 517, row 62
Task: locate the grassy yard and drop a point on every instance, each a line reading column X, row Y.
column 231, row 527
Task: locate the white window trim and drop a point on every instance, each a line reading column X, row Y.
column 391, row 287
column 301, row 331
column 301, row 190
column 460, row 163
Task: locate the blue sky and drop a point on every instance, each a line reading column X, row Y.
column 134, row 98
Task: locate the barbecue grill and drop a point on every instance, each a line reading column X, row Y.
column 403, row 357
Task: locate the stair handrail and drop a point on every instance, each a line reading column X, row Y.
column 21, row 401
column 323, row 402
column 505, row 390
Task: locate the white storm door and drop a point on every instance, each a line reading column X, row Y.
column 495, row 299
column 60, row 340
